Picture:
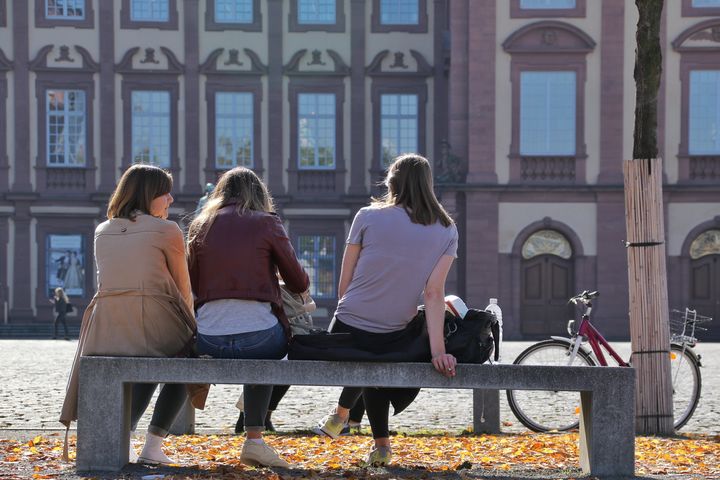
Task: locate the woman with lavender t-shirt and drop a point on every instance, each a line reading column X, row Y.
column 398, row 254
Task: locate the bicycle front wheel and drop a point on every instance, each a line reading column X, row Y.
column 686, row 383
column 544, row 411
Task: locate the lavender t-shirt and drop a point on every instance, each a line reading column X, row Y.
column 396, row 260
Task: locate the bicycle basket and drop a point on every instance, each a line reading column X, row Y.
column 685, row 324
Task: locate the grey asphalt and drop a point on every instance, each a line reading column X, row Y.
column 34, row 375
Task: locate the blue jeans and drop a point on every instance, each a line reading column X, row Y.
column 270, row 344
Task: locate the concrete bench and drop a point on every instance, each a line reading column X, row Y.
column 607, row 422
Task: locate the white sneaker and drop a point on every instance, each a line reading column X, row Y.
column 261, row 454
column 152, row 453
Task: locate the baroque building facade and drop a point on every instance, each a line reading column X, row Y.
column 525, row 107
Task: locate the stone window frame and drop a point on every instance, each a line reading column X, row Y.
column 4, row 167
column 215, row 26
column 232, row 84
column 50, row 80
column 321, row 226
column 308, row 84
column 376, row 26
column 294, row 24
column 404, row 85
column 153, row 82
column 692, row 58
column 549, row 46
column 41, row 21
column 578, row 12
column 3, row 13
column 538, row 63
column 689, row 11
column 51, row 224
column 127, row 23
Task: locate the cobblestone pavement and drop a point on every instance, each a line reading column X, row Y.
column 34, row 374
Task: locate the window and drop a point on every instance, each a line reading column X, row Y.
column 317, row 256
column 65, row 9
column 316, row 130
column 64, row 264
column 234, row 11
column 233, row 130
column 150, row 127
column 66, row 122
column 546, row 4
column 316, row 12
column 399, row 12
column 398, row 126
column 547, row 113
column 149, row 11
column 705, row 3
column 704, row 113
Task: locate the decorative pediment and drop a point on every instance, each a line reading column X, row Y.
column 147, row 60
column 61, row 58
column 702, row 37
column 397, row 64
column 5, row 63
column 549, row 36
column 315, row 62
column 231, row 63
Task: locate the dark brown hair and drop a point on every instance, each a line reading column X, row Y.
column 138, row 187
column 240, row 185
column 410, row 185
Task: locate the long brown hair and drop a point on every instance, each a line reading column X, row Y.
column 239, row 185
column 138, row 187
column 410, row 185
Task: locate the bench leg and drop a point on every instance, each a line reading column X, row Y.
column 184, row 423
column 486, row 411
column 103, row 431
column 607, row 432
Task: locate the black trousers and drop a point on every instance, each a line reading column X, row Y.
column 60, row 318
column 167, row 406
column 375, row 400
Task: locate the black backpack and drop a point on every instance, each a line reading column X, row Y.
column 473, row 338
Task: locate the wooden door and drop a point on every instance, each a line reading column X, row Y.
column 546, row 286
column 705, row 291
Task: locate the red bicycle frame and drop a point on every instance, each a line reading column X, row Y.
column 588, row 331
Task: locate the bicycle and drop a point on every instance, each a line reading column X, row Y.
column 559, row 411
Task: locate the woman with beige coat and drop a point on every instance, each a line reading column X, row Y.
column 143, row 306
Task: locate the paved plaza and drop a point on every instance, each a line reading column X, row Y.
column 34, row 374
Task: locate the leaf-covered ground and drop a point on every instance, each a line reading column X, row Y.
column 417, row 456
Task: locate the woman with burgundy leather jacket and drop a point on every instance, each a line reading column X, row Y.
column 236, row 247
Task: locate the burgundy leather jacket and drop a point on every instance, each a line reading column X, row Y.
column 239, row 258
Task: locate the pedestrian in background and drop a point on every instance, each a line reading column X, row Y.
column 61, row 302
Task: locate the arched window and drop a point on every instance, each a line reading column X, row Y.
column 547, row 242
column 707, row 243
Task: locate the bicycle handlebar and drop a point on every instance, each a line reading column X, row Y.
column 585, row 297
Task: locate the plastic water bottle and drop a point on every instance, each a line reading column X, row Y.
column 494, row 308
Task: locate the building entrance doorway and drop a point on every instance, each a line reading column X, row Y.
column 547, row 281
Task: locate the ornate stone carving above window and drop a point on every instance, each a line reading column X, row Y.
column 219, row 63
column 149, row 63
column 385, row 64
column 316, row 60
column 546, row 242
column 707, row 243
column 40, row 62
column 549, row 36
column 701, row 37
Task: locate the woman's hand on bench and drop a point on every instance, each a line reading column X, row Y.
column 445, row 363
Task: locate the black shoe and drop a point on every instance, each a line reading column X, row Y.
column 240, row 425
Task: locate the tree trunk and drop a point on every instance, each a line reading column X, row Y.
column 647, row 273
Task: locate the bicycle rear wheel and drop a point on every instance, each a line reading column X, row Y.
column 544, row 411
column 686, row 382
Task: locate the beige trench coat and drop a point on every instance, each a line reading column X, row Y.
column 143, row 306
